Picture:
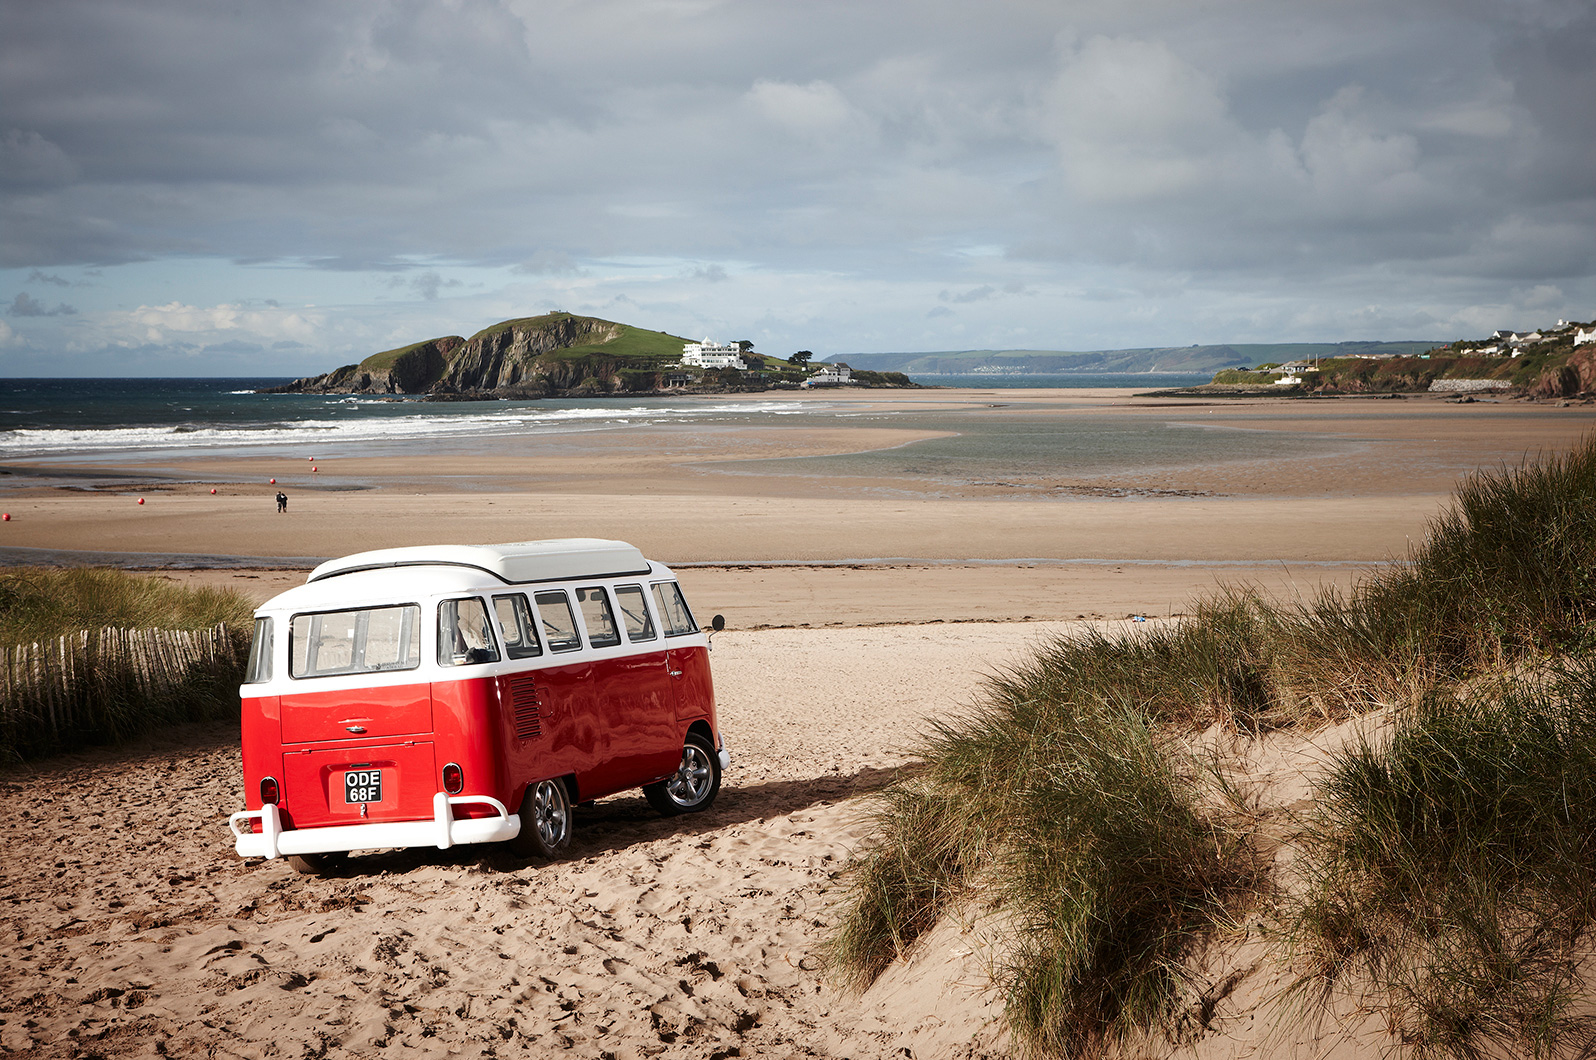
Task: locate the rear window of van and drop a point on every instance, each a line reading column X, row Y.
column 365, row 640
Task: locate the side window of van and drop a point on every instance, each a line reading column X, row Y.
column 464, row 634
column 673, row 613
column 559, row 624
column 597, row 617
column 634, row 612
column 355, row 642
column 259, row 669
column 516, row 629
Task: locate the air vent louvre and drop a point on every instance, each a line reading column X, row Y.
column 524, row 705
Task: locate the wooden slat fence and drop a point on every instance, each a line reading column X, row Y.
column 101, row 686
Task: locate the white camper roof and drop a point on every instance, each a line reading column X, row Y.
column 518, row 561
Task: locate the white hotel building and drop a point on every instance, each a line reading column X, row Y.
column 709, row 354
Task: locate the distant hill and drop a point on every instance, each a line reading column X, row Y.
column 525, row 357
column 1186, row 359
column 556, row 354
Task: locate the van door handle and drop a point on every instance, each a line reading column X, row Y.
column 675, row 673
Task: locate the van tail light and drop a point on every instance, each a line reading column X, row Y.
column 268, row 791
column 453, row 779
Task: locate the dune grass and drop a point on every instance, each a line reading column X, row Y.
column 91, row 656
column 1092, row 834
column 37, row 603
column 1454, row 867
column 1066, row 802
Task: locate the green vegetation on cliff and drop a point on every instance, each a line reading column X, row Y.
column 616, row 340
column 1547, row 366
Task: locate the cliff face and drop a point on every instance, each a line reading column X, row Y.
column 515, row 353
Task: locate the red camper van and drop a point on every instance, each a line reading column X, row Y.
column 450, row 694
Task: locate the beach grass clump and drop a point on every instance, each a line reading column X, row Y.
column 1116, row 870
column 1508, row 570
column 1452, row 869
column 1091, row 838
column 93, row 657
column 37, row 603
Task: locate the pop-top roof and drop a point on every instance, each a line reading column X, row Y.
column 518, row 561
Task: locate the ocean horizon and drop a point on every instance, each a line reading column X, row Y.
column 95, row 418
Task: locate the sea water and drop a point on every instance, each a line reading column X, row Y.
column 102, row 421
column 89, row 419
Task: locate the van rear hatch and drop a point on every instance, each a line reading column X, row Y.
column 357, row 713
column 359, row 785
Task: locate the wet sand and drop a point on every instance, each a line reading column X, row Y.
column 770, row 546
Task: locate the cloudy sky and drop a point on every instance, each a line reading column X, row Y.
column 240, row 187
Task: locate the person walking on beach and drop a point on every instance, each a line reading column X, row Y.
column 282, row 501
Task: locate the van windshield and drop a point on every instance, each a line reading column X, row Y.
column 673, row 611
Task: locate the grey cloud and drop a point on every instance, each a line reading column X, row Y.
column 25, row 305
column 429, row 283
column 39, row 277
column 1431, row 152
column 544, row 262
column 975, row 294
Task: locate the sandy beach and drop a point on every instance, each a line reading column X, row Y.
column 764, row 541
column 861, row 610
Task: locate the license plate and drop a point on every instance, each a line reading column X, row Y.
column 362, row 785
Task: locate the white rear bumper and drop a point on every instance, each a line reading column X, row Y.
column 268, row 840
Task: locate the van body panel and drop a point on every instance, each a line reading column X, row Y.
column 469, row 718
column 261, row 744
column 636, row 715
column 572, row 741
column 362, row 713
column 695, row 692
column 313, row 784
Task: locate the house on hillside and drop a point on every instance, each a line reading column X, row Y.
column 831, row 375
column 708, row 354
column 1584, row 335
column 1293, row 371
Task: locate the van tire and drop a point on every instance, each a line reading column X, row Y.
column 316, row 864
column 695, row 783
column 545, row 821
